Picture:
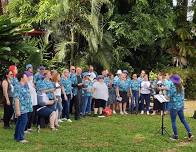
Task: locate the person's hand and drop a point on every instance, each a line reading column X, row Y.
column 80, row 84
column 18, row 113
column 65, row 97
column 8, row 103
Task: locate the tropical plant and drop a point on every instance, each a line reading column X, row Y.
column 14, row 48
column 76, row 27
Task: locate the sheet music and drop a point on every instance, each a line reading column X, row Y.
column 161, row 98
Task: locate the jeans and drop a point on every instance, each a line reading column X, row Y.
column 8, row 113
column 66, row 106
column 145, row 97
column 134, row 100
column 86, row 108
column 20, row 127
column 180, row 113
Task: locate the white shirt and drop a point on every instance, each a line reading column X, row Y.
column 33, row 92
column 145, row 87
column 92, row 75
column 57, row 92
column 101, row 91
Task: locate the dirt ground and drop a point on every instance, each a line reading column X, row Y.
column 190, row 107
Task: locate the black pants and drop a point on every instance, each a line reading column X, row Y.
column 77, row 100
column 32, row 116
column 8, row 113
column 71, row 106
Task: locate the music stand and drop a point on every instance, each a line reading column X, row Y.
column 163, row 100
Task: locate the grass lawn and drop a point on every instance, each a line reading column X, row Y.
column 115, row 134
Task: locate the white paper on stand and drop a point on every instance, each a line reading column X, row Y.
column 161, row 98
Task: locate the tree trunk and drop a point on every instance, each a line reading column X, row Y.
column 72, row 47
column 182, row 8
column 1, row 7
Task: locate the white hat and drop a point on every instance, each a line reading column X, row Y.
column 119, row 72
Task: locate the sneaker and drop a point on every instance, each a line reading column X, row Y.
column 27, row 132
column 23, row 141
column 7, row 127
column 190, row 136
column 38, row 128
column 125, row 112
column 142, row 112
column 69, row 120
column 101, row 116
column 60, row 120
column 148, row 113
column 114, row 112
column 154, row 113
column 64, row 119
column 174, row 138
column 30, row 130
column 121, row 113
column 54, row 129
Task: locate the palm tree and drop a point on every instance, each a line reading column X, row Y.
column 72, row 22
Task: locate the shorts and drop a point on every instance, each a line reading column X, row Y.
column 100, row 103
column 124, row 97
column 44, row 111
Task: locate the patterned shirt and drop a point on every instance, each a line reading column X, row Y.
column 135, row 85
column 37, row 77
column 44, row 85
column 22, row 93
column 66, row 83
column 123, row 85
column 168, row 84
column 73, row 81
column 115, row 81
column 87, row 90
column 107, row 80
column 176, row 98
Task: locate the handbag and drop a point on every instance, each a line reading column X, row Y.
column 42, row 99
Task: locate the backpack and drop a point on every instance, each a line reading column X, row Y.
column 107, row 112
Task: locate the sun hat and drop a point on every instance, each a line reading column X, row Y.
column 28, row 66
column 42, row 68
column 125, row 71
column 175, row 79
column 119, row 72
column 100, row 77
column 28, row 74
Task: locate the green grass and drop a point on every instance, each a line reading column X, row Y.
column 115, row 134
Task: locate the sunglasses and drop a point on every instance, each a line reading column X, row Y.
column 72, row 69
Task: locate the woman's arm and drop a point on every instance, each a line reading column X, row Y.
column 5, row 93
column 63, row 90
column 17, row 107
column 117, row 92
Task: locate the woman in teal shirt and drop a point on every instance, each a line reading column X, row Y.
column 22, row 106
column 122, row 92
column 176, row 106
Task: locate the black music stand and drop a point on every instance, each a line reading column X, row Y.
column 162, row 100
